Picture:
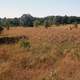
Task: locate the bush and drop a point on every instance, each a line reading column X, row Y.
column 36, row 23
column 75, row 25
column 1, row 29
column 25, row 44
column 46, row 24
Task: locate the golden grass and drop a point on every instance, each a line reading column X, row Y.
column 54, row 54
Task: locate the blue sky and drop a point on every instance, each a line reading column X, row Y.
column 39, row 8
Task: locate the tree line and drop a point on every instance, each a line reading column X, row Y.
column 27, row 20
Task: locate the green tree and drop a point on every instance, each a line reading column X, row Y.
column 46, row 24
column 26, row 20
column 36, row 23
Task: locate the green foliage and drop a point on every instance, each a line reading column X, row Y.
column 1, row 29
column 46, row 24
column 28, row 20
column 7, row 25
column 36, row 23
column 75, row 25
column 25, row 44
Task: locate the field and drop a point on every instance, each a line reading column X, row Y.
column 51, row 54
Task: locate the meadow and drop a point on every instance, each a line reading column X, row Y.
column 41, row 54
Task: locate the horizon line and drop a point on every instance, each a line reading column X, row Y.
column 38, row 16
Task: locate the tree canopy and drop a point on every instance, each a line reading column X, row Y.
column 27, row 20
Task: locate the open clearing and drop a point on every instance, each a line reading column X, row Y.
column 54, row 54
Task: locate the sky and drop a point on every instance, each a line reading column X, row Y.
column 39, row 8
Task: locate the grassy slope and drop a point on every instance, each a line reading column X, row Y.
column 54, row 55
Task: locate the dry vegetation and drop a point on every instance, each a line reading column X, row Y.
column 46, row 54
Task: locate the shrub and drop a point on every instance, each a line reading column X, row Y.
column 1, row 29
column 46, row 24
column 75, row 25
column 36, row 23
column 25, row 44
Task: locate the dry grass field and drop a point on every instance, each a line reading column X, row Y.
column 51, row 54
